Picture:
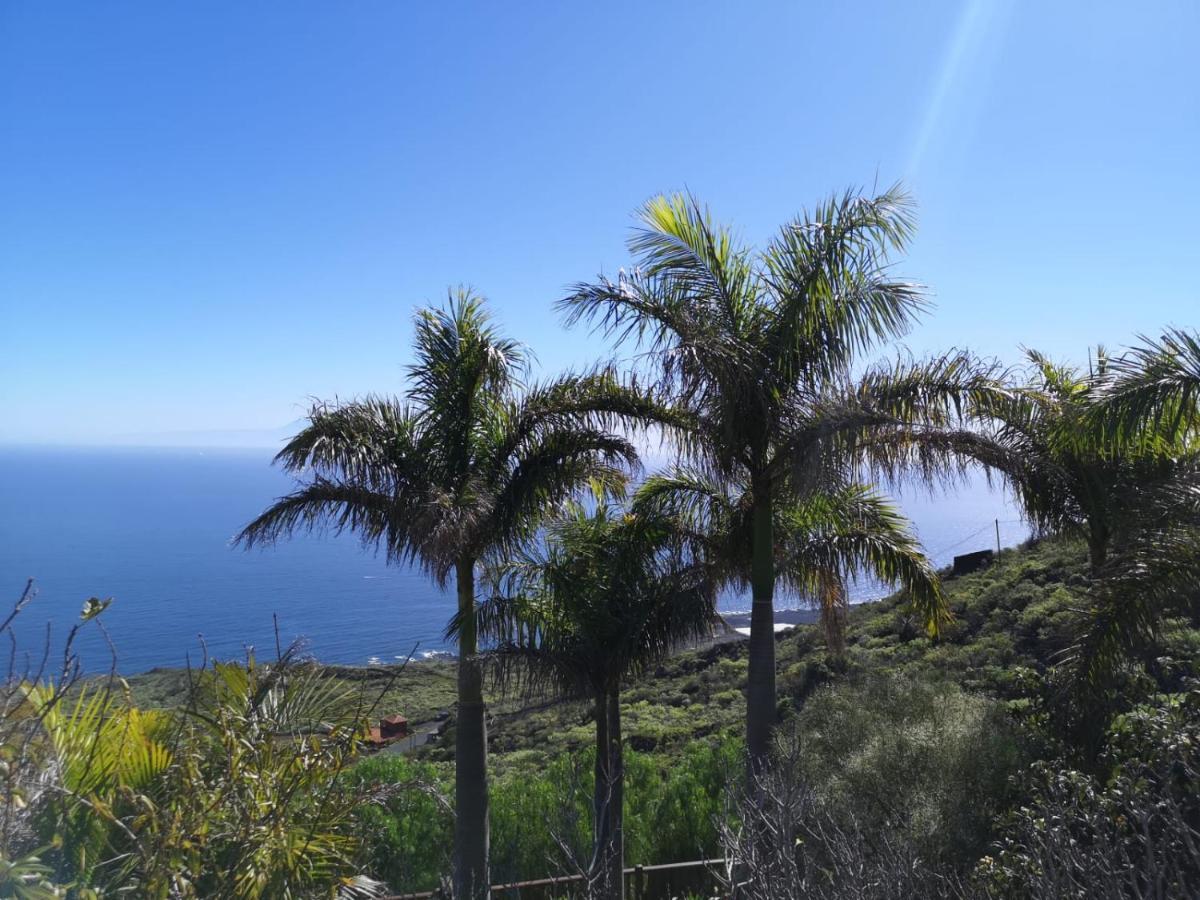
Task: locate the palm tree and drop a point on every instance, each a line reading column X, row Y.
column 605, row 596
column 1067, row 478
column 1145, row 416
column 759, row 351
column 821, row 540
column 465, row 466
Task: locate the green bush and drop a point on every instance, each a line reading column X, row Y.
column 922, row 759
column 671, row 810
column 241, row 797
column 672, row 805
column 406, row 836
column 1130, row 831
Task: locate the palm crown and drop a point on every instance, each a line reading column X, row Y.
column 821, row 541
column 466, row 463
column 1064, row 479
column 604, row 595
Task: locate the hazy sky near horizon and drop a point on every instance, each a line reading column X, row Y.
column 212, row 212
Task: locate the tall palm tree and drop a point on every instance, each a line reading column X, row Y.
column 821, row 540
column 466, row 465
column 605, row 596
column 760, row 351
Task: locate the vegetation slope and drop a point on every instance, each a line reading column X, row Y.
column 925, row 738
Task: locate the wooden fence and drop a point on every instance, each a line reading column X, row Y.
column 641, row 883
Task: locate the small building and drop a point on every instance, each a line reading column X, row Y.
column 389, row 730
column 973, row 562
column 392, row 727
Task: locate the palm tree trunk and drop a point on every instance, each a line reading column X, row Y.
column 471, row 880
column 616, row 807
column 760, row 678
column 602, row 797
column 1097, row 539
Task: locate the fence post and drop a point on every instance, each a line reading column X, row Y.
column 639, row 883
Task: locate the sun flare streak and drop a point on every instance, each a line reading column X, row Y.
column 979, row 27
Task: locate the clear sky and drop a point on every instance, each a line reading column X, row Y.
column 210, row 212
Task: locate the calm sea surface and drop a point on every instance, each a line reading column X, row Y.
column 152, row 528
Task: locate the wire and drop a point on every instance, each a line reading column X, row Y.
column 975, row 534
column 970, row 536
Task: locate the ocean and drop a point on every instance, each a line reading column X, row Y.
column 152, row 528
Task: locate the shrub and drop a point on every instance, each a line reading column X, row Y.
column 920, row 760
column 238, row 796
column 672, row 805
column 541, row 818
column 407, row 833
column 1132, row 834
column 784, row 840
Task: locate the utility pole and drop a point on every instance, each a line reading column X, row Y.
column 997, row 538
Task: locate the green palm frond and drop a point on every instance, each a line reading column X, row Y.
column 594, row 401
column 1154, row 392
column 651, row 312
column 832, row 288
column 910, row 418
column 375, row 441
column 108, row 759
column 828, row 538
column 689, row 494
column 679, row 242
column 384, row 521
column 29, row 877
column 99, row 741
column 549, row 471
column 939, row 391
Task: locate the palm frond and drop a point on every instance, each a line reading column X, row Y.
column 940, row 391
column 829, row 272
column 904, row 419
column 679, row 242
column 597, row 399
column 549, row 470
column 686, row 495
column 375, row 440
column 394, row 523
column 607, row 594
column 1154, row 391
column 827, row 538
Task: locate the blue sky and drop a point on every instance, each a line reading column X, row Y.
column 211, row 212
